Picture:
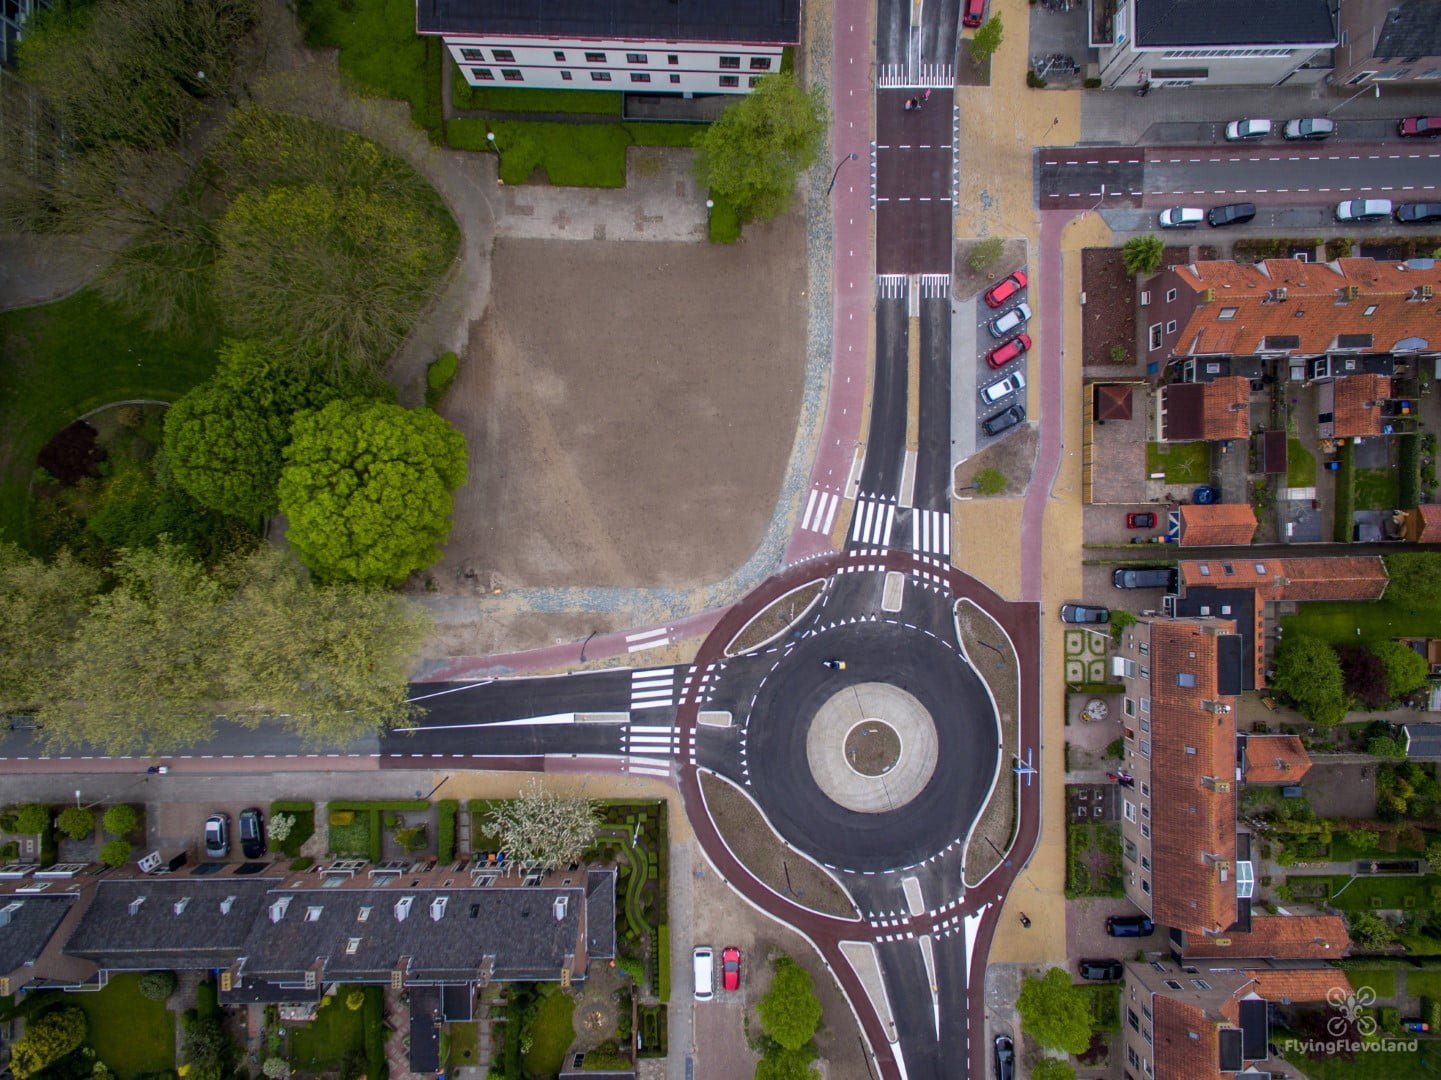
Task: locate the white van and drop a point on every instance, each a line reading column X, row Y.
column 703, row 964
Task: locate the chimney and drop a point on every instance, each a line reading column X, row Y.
column 226, row 905
column 437, row 908
column 277, row 909
column 402, row 908
column 559, row 907
column 8, row 911
column 181, row 905
column 135, row 905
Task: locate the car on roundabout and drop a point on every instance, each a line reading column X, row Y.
column 834, row 665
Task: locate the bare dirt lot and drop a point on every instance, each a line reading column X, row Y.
column 1108, row 321
column 630, row 408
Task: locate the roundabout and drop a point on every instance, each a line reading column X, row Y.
column 872, row 747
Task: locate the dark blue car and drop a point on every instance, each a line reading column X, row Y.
column 1129, row 926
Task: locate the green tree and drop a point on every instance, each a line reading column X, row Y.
column 990, row 481
column 115, row 852
column 76, row 822
column 1053, row 1069
column 753, row 154
column 1308, row 672
column 1362, row 839
column 367, row 489
column 779, row 1063
column 1142, row 254
column 790, row 1012
column 1415, row 579
column 541, row 827
column 984, row 253
column 1385, row 746
column 158, row 985
column 32, row 819
column 225, row 437
column 1369, row 932
column 1406, row 669
column 41, row 605
column 1120, row 621
column 121, row 820
column 334, row 658
column 1055, row 1013
column 46, row 1041
column 987, row 39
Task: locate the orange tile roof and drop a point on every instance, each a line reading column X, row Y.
column 1218, row 523
column 1358, row 405
column 1226, row 408
column 1278, row 937
column 1345, row 577
column 1186, row 1041
column 1193, row 824
column 1316, row 309
column 1310, row 984
column 1276, row 759
column 1430, row 525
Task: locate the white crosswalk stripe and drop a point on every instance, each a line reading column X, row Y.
column 892, row 286
column 648, row 639
column 872, row 523
column 697, row 684
column 653, row 689
column 820, row 512
column 935, row 286
column 932, row 531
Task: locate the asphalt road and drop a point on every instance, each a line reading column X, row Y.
column 933, row 457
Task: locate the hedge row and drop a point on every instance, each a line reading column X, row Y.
column 374, row 808
column 662, row 962
column 445, row 812
column 1409, row 481
column 373, row 1020
column 1345, row 504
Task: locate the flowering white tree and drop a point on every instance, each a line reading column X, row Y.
column 544, row 828
column 280, row 826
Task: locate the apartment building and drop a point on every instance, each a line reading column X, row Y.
column 1385, row 41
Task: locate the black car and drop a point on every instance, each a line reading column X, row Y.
column 1005, row 1058
column 1144, row 577
column 252, row 833
column 1004, row 421
column 1418, row 213
column 1083, row 613
column 1101, row 970
column 1231, row 214
column 1130, row 926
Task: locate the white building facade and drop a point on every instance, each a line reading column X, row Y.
column 1173, row 43
column 636, row 46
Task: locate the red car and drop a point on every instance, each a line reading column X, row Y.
column 975, row 12
column 1419, row 127
column 1143, row 520
column 731, row 968
column 1004, row 354
column 1002, row 291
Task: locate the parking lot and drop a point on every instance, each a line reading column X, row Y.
column 174, row 827
column 979, row 332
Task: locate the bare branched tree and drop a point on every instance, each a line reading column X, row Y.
column 543, row 828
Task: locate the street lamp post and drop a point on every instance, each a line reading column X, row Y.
column 1358, row 93
column 490, row 138
column 849, row 157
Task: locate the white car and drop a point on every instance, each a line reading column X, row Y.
column 1315, row 129
column 997, row 391
column 1181, row 217
column 703, row 968
column 1363, row 210
column 1237, row 130
column 1002, row 325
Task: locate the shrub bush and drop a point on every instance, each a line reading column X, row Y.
column 342, row 817
column 1035, row 81
column 725, row 222
column 305, row 862
column 32, row 819
column 439, row 375
column 1409, row 470
column 115, row 852
column 445, row 812
column 158, row 985
column 120, row 820
column 76, row 822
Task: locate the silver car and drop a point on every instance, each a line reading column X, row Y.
column 1003, row 325
column 1316, row 128
column 1238, row 130
column 1363, row 210
column 1181, row 217
column 998, row 391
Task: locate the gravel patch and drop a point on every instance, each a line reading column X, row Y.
column 774, row 620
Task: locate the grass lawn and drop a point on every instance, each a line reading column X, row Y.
column 130, row 1033
column 1093, row 859
column 64, row 359
column 352, row 839
column 1375, row 1065
column 1378, row 621
column 1183, row 463
column 1423, row 984
column 323, row 1043
column 551, row 1035
column 529, row 99
column 380, row 50
column 1105, row 1001
column 571, row 155
column 1300, row 464
column 1382, row 980
column 1377, row 489
column 462, row 1044
column 1380, row 893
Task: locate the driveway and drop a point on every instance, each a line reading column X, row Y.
column 1086, row 936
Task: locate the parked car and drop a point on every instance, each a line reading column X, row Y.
column 1239, row 130
column 1363, row 210
column 1004, row 421
column 217, row 836
column 1007, row 321
column 1143, row 519
column 1181, row 217
column 1236, row 213
column 1315, row 128
column 1002, row 291
column 1005, row 1058
column 1101, row 970
column 1003, row 388
column 731, row 968
column 252, row 833
column 1084, row 613
column 1419, row 127
column 702, row 962
column 1130, row 926
column 1144, row 577
column 975, row 13
column 1002, row 355
column 1418, row 213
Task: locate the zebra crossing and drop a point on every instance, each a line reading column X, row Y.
column 902, row 76
column 697, row 684
column 821, row 510
column 872, row 522
column 935, row 286
column 931, row 531
column 652, row 689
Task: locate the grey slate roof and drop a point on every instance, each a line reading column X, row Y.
column 29, row 927
column 1410, row 29
column 600, row 908
column 516, row 926
column 155, row 935
column 1423, row 741
column 424, row 1029
column 775, row 22
column 1199, row 23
